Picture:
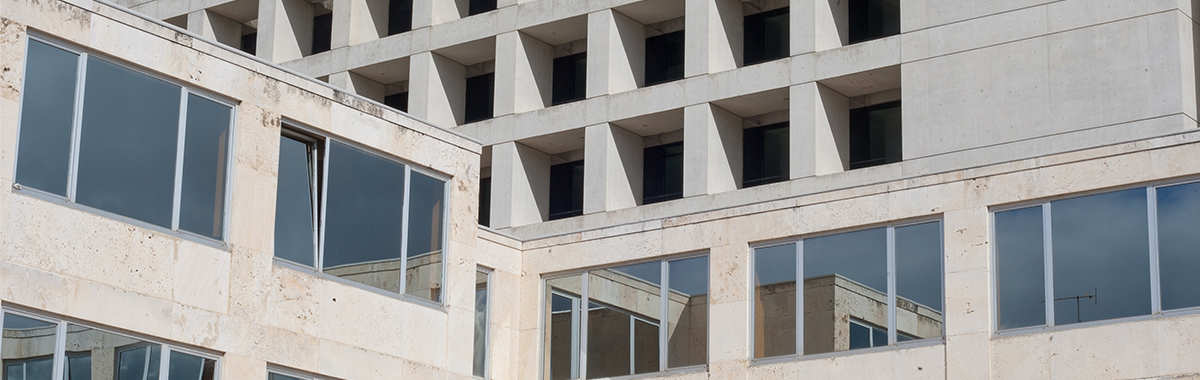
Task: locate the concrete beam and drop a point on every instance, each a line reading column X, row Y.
column 616, row 53
column 612, row 174
column 712, row 150
column 520, row 185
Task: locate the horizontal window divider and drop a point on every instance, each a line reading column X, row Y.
column 1081, row 325
column 387, row 293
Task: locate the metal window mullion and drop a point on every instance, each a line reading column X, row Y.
column 179, row 144
column 77, row 127
column 632, row 339
column 404, row 235
column 323, row 182
column 584, row 301
column 164, row 362
column 487, row 323
column 1155, row 279
column 891, row 285
column 315, row 184
column 664, row 314
column 1048, row 276
column 60, row 351
column 799, row 298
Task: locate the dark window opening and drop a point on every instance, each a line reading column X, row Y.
column 664, row 58
column 250, row 43
column 481, row 6
column 566, row 190
column 765, row 155
column 322, row 33
column 397, row 101
column 485, row 201
column 480, row 90
column 766, row 36
column 662, row 173
column 873, row 19
column 570, row 78
column 875, row 135
column 399, row 16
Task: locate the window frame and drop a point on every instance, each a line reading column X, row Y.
column 893, row 342
column 76, row 131
column 285, row 371
column 297, row 130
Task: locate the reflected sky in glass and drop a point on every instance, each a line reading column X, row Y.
column 919, row 264
column 1020, row 268
column 687, row 329
column 1179, row 245
column 860, row 256
column 294, row 215
column 364, row 207
column 47, row 117
column 689, row 276
column 426, row 197
column 206, row 148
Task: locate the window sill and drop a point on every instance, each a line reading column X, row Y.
column 1083, row 325
column 861, row 351
column 283, row 263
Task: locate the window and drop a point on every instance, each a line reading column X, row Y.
column 322, row 33
column 873, row 19
column 280, row 373
column 766, row 36
column 570, row 79
column 664, row 58
column 111, row 139
column 399, row 16
column 32, row 342
column 640, row 318
column 566, row 190
column 886, row 281
column 480, row 94
column 1098, row 257
column 875, row 135
column 483, row 280
column 480, row 6
column 339, row 210
column 485, row 201
column 765, row 155
column 662, row 173
column 398, row 101
column 250, row 43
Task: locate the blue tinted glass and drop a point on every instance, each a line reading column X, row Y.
column 138, row 363
column 842, row 269
column 363, row 217
column 426, row 213
column 687, row 324
column 29, row 343
column 860, row 336
column 295, row 219
column 188, row 367
column 206, row 148
column 1020, row 268
column 919, row 280
column 47, row 116
column 1179, row 245
column 878, row 337
column 79, row 367
column 775, row 301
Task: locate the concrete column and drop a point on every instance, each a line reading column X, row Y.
column 357, row 84
column 713, row 36
column 524, row 69
column 284, row 29
column 423, row 13
column 712, row 150
column 358, row 21
column 820, row 131
column 612, row 174
column 520, row 185
column 616, row 53
column 802, row 14
column 436, row 89
column 215, row 27
column 830, row 22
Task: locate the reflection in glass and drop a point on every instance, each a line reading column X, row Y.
column 138, row 362
column 295, row 201
column 425, row 217
column 363, row 220
column 1179, row 245
column 28, row 348
column 562, row 328
column 127, row 143
column 47, row 117
column 865, row 335
column 129, row 358
column 276, row 376
column 1020, row 268
column 79, row 366
column 775, row 301
column 481, row 323
column 206, row 145
column 188, row 367
column 918, row 280
column 687, row 312
column 1101, row 257
column 625, row 305
column 845, row 276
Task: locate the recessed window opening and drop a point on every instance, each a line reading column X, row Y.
column 766, row 36
column 249, row 41
column 280, row 373
column 876, row 135
column 480, row 92
column 322, row 29
column 570, row 78
column 873, row 19
column 662, row 173
column 398, row 101
column 485, row 201
column 764, row 154
column 475, row 7
column 664, row 52
column 399, row 16
column 566, row 190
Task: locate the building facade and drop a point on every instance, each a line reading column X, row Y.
column 570, row 189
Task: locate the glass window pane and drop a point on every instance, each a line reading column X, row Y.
column 625, row 305
column 566, row 190
column 860, row 336
column 127, row 143
column 1020, row 268
column 1101, row 257
column 481, row 323
column 480, row 95
column 1179, row 245
column 775, row 301
column 138, row 362
column 47, row 117
column 426, row 215
column 295, row 197
column 206, row 147
column 363, row 224
column 276, row 376
column 28, row 348
column 664, row 58
column 79, row 366
column 687, row 312
column 562, row 318
column 919, row 280
column 188, row 367
column 845, row 276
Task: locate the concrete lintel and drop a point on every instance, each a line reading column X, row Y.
column 215, row 27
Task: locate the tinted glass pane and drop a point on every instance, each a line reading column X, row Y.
column 860, row 336
column 566, row 190
column 481, row 324
column 766, row 36
column 662, row 173
column 47, row 116
column 765, row 154
column 1020, row 268
column 397, row 101
column 845, row 275
column 479, row 98
column 28, row 348
column 919, row 280
column 481, row 6
column 875, row 135
column 127, row 144
column 79, row 366
column 188, row 367
column 322, row 33
column 878, row 337
column 485, row 201
column 775, row 301
column 1101, row 257
column 1179, row 245
column 250, row 43
column 570, row 78
column 623, row 318
column 563, row 327
column 399, row 16
column 664, row 58
column 363, row 215
column 871, row 19
column 426, row 216
column 276, row 376
column 687, row 312
column 206, row 148
column 295, row 197
column 139, row 362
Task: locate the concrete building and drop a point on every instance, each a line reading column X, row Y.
column 559, row 189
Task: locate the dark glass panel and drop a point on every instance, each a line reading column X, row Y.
column 296, row 196
column 363, row 217
column 662, row 173
column 766, row 36
column 480, row 95
column 570, row 79
column 1020, row 268
column 322, row 33
column 184, row 366
column 765, row 155
column 480, row 6
column 426, row 216
column 566, row 190
column 397, row 101
column 485, row 201
column 664, row 58
column 47, row 118
column 205, row 154
column 875, row 135
column 1179, row 245
column 919, row 280
column 399, row 16
column 872, row 19
column 250, row 43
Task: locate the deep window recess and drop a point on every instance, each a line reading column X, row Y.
column 662, row 173
column 479, row 98
column 342, row 208
column 128, row 358
column 875, row 135
column 112, row 139
column 566, row 190
column 847, row 275
column 570, row 79
column 664, row 58
column 485, row 201
column 250, row 43
column 641, row 318
column 765, row 154
column 1098, row 257
column 475, row 7
column 322, row 33
column 873, row 19
column 482, row 298
column 398, row 101
column 766, row 36
column 399, row 16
